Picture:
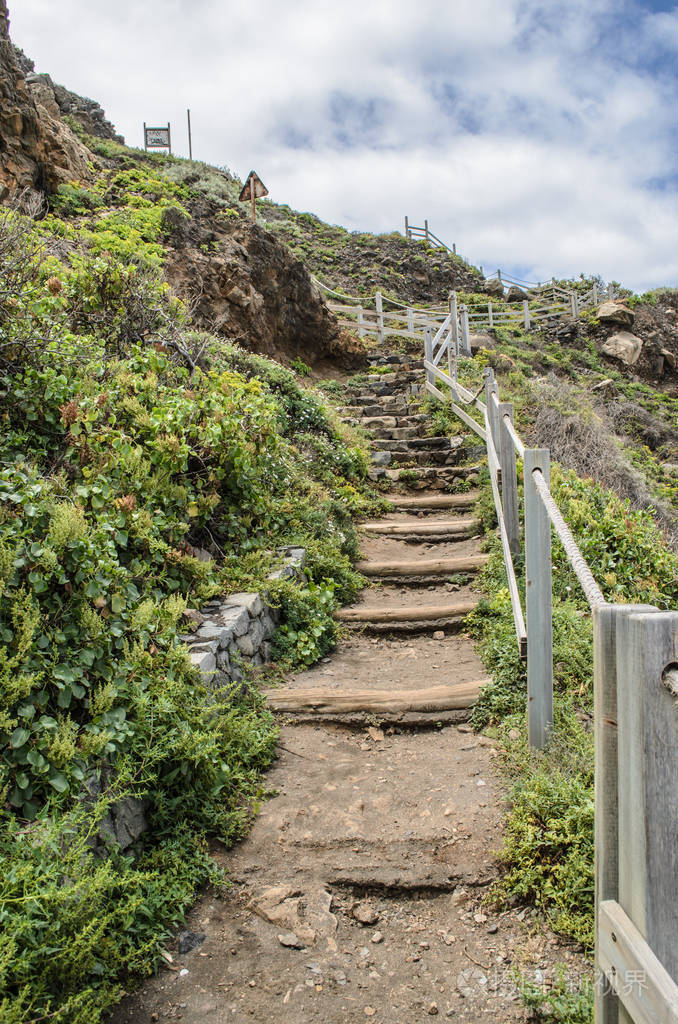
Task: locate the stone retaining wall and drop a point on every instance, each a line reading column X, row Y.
column 230, row 633
column 237, row 629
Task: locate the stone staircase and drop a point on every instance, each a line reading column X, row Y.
column 385, row 405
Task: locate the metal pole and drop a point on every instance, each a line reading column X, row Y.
column 169, row 138
column 253, row 196
column 190, row 140
column 145, row 143
column 426, row 229
column 407, row 228
column 539, row 603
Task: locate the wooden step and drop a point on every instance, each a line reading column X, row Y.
column 433, row 698
column 424, row 566
column 408, row 613
column 435, row 501
column 451, row 526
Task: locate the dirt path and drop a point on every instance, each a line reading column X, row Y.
column 358, row 895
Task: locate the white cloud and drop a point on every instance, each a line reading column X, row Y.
column 526, row 130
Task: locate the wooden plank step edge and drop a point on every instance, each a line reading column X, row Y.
column 448, row 697
column 435, row 500
column 439, row 526
column 423, row 566
column 408, row 613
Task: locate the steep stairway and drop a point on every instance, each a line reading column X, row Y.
column 384, row 404
column 358, row 893
column 420, row 558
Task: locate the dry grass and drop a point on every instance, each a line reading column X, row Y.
column 585, row 440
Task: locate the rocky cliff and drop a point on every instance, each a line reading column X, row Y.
column 249, row 288
column 37, row 149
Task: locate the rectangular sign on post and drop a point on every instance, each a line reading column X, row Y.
column 157, row 138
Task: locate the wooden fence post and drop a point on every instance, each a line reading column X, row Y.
column 465, row 338
column 361, row 323
column 410, row 321
column 595, row 294
column 492, row 388
column 428, row 352
column 609, row 622
column 526, row 314
column 539, row 603
column 454, row 322
column 647, row 709
column 489, row 315
column 426, row 229
column 509, row 478
column 380, row 316
column 407, row 228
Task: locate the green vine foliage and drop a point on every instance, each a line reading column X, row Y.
column 117, row 462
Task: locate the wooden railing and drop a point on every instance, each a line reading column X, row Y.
column 427, row 235
column 379, row 315
column 635, row 711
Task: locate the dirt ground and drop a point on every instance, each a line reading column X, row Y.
column 360, row 892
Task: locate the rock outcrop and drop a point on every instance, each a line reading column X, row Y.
column 89, row 114
column 250, row 289
column 615, row 313
column 493, row 286
column 623, row 346
column 37, row 149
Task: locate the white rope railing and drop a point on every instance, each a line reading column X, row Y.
column 594, row 594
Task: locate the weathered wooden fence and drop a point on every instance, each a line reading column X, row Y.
column 379, row 315
column 635, row 713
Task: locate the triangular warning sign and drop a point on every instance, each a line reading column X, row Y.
column 253, row 182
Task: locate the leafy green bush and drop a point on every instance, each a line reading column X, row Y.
column 118, row 459
column 563, row 1004
column 548, row 847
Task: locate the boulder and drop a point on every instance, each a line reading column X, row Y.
column 615, row 313
column 480, row 341
column 623, row 346
column 493, row 286
column 671, row 358
column 516, row 294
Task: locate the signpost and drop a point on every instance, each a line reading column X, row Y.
column 158, row 138
column 253, row 189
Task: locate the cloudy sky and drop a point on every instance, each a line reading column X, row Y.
column 539, row 136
